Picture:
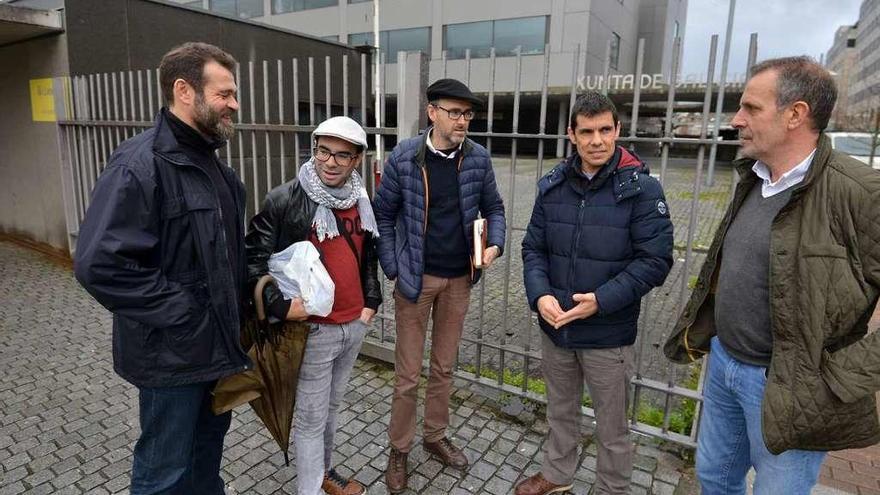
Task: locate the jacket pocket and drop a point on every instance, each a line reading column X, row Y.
column 833, row 297
column 823, row 250
column 190, row 346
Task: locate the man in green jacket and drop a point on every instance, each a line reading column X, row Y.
column 785, row 295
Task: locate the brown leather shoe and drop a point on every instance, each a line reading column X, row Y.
column 337, row 485
column 395, row 474
column 538, row 485
column 447, row 453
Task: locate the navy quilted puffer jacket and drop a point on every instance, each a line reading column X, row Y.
column 611, row 236
column 402, row 216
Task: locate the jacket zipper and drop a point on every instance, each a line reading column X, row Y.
column 219, row 212
column 575, row 242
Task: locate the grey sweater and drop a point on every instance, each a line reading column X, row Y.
column 742, row 300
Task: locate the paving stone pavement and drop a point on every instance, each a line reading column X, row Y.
column 67, row 422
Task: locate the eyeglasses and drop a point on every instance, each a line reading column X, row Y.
column 455, row 114
column 343, row 158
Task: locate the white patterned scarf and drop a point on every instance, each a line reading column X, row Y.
column 336, row 198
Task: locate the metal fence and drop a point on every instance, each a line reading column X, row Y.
column 501, row 344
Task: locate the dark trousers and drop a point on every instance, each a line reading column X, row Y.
column 181, row 443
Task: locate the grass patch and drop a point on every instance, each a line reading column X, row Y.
column 681, row 418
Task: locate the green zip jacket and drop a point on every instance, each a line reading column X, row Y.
column 824, row 283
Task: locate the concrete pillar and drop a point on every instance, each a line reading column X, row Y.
column 412, row 80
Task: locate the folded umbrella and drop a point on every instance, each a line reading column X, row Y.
column 277, row 352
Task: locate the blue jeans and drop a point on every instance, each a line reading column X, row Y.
column 730, row 439
column 331, row 352
column 181, row 443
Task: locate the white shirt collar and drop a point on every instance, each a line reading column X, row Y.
column 791, row 178
column 438, row 152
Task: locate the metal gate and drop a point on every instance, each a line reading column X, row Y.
column 500, row 348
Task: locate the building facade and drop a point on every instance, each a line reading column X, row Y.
column 862, row 86
column 577, row 33
column 841, row 60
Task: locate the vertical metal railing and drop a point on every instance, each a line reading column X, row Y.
column 110, row 107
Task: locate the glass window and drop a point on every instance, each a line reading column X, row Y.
column 528, row 33
column 250, row 8
column 398, row 40
column 359, row 1
column 614, row 53
column 244, row 9
column 282, row 6
column 195, row 3
column 358, row 39
column 405, row 40
column 675, row 30
column 224, row 7
column 505, row 35
column 474, row 35
column 332, row 37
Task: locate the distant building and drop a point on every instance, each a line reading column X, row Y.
column 841, row 60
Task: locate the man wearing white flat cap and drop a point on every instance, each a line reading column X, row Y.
column 325, row 204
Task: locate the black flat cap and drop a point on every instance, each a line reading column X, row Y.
column 451, row 88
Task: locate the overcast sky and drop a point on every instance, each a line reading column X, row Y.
column 784, row 27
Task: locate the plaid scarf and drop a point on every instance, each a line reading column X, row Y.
column 336, row 198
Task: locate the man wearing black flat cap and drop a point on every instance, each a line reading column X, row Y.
column 433, row 188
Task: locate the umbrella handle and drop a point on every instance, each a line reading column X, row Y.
column 258, row 296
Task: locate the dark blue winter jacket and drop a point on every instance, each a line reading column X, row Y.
column 401, row 209
column 152, row 249
column 611, row 235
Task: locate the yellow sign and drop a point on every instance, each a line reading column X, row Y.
column 42, row 100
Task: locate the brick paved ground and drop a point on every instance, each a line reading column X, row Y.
column 67, row 423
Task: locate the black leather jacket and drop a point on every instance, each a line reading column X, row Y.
column 286, row 218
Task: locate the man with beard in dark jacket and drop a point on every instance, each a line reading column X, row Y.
column 599, row 239
column 327, row 205
column 162, row 248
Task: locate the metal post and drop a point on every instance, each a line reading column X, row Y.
column 874, row 138
column 510, row 220
column 490, row 110
column 670, row 101
column 266, row 137
column 412, row 72
column 607, row 68
column 378, row 87
column 281, row 135
column 573, row 91
column 719, row 106
column 637, row 88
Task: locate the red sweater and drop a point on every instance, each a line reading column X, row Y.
column 344, row 268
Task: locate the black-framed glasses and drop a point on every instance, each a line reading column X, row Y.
column 343, row 158
column 455, row 113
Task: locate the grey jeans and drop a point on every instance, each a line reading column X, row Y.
column 607, row 373
column 330, row 355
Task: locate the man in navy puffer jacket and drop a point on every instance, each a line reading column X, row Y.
column 599, row 239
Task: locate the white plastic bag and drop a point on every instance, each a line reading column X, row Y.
column 300, row 273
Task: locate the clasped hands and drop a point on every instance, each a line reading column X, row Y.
column 549, row 309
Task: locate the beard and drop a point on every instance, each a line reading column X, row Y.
column 210, row 122
column 454, row 138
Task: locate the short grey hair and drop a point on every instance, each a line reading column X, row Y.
column 803, row 79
